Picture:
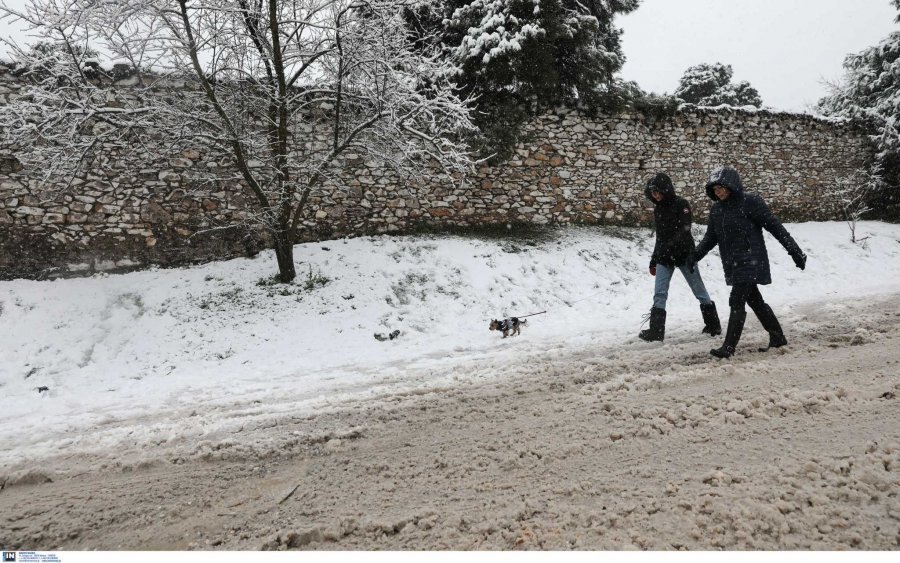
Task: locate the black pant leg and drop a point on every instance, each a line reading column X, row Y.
column 740, row 292
column 756, row 302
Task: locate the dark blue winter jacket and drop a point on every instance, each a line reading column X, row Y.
column 736, row 225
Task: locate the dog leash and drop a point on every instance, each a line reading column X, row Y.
column 531, row 315
column 569, row 303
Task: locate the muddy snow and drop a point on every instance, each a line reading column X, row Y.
column 630, row 446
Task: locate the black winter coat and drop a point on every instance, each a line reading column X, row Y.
column 736, row 226
column 672, row 216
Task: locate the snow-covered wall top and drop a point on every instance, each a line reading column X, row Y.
column 142, row 208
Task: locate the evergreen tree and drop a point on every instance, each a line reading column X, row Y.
column 710, row 85
column 739, row 94
column 870, row 94
column 519, row 57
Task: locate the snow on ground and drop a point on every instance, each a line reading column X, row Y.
column 153, row 359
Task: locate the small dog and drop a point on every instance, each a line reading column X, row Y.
column 381, row 338
column 510, row 325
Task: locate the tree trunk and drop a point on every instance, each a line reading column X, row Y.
column 284, row 252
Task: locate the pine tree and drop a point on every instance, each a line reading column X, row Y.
column 710, row 85
column 870, row 94
column 520, row 57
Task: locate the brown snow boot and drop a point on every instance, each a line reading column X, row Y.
column 770, row 324
column 657, row 330
column 732, row 335
column 711, row 320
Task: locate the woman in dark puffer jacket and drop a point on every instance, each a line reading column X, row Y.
column 735, row 224
column 674, row 250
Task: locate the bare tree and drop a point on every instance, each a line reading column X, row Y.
column 853, row 193
column 280, row 87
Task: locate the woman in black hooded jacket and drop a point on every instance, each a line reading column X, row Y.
column 735, row 224
column 674, row 249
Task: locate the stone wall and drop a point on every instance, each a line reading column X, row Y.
column 142, row 207
column 575, row 169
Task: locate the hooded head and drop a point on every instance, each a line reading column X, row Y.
column 724, row 176
column 659, row 183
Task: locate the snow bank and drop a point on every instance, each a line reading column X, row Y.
column 155, row 356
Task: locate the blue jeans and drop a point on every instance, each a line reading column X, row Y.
column 664, row 278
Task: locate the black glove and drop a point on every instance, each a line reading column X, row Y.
column 800, row 261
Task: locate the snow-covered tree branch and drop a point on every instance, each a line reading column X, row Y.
column 279, row 88
column 870, row 95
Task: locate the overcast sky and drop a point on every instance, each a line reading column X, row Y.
column 784, row 48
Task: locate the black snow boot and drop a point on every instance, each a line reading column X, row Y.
column 770, row 323
column 711, row 320
column 732, row 335
column 657, row 330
